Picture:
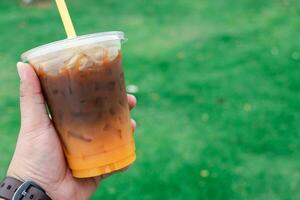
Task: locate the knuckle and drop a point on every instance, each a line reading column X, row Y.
column 28, row 93
column 22, row 90
column 36, row 98
column 42, row 125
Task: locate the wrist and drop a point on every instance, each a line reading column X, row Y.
column 27, row 173
column 23, row 177
column 13, row 188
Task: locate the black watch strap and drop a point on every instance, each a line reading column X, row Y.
column 14, row 189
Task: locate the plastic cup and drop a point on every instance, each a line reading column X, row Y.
column 83, row 82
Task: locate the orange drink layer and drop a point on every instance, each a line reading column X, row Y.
column 83, row 82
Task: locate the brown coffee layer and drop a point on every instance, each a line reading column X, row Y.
column 88, row 104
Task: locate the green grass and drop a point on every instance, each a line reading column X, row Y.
column 219, row 102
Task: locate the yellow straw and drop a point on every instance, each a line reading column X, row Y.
column 65, row 16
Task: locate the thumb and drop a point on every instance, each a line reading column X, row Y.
column 32, row 103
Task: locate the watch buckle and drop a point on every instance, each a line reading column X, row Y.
column 22, row 191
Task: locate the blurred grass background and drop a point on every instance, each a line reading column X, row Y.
column 219, row 102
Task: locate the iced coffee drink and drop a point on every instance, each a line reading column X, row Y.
column 83, row 82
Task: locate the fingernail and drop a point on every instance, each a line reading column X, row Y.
column 133, row 124
column 134, row 98
column 21, row 73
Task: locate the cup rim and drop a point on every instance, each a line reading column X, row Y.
column 71, row 43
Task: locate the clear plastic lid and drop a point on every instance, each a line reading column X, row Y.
column 72, row 43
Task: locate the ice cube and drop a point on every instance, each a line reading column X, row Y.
column 85, row 62
column 113, row 53
column 95, row 54
column 72, row 61
column 52, row 65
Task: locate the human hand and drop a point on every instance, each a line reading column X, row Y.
column 39, row 155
